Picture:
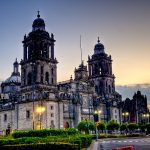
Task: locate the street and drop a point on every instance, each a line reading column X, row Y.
column 139, row 144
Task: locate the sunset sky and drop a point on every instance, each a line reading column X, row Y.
column 122, row 25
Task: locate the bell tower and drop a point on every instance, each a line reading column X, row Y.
column 39, row 65
column 100, row 71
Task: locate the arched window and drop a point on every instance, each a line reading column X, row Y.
column 47, row 77
column 52, row 71
column 41, row 79
column 24, row 75
column 106, row 87
column 29, row 78
column 109, row 89
column 66, row 125
column 52, row 81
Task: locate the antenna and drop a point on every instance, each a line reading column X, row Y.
column 81, row 49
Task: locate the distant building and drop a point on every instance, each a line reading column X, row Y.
column 136, row 109
column 39, row 101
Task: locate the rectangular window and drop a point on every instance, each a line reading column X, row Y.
column 52, row 81
column 27, row 114
column 52, row 115
column 5, row 117
column 41, row 79
column 52, row 107
column 42, row 69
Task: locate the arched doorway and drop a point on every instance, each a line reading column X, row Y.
column 66, row 125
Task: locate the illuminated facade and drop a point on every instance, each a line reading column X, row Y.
column 42, row 102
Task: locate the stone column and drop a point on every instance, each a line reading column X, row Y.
column 24, row 52
column 78, row 114
column 61, row 115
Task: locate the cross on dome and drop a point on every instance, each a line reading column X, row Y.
column 38, row 15
column 98, row 40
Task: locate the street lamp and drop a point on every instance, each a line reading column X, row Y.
column 96, row 119
column 126, row 115
column 40, row 110
column 146, row 116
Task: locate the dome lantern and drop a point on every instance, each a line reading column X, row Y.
column 38, row 23
column 99, row 47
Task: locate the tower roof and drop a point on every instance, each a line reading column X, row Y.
column 38, row 23
column 99, row 47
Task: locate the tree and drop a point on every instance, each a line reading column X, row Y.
column 132, row 126
column 86, row 126
column 101, row 126
column 112, row 125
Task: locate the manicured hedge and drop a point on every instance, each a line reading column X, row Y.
column 44, row 133
column 41, row 146
column 86, row 140
column 79, row 139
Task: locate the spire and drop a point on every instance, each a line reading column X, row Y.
column 38, row 15
column 81, row 49
column 98, row 40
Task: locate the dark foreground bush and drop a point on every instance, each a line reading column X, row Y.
column 44, row 133
column 41, row 146
column 135, row 135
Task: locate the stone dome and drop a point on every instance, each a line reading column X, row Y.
column 13, row 79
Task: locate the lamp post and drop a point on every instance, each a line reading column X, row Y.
column 90, row 110
column 97, row 118
column 40, row 110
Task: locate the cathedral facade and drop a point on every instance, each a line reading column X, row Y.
column 35, row 100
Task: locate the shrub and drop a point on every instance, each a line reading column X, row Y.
column 123, row 127
column 86, row 126
column 112, row 125
column 44, row 133
column 132, row 126
column 101, row 126
column 142, row 127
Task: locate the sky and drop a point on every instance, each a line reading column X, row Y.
column 122, row 25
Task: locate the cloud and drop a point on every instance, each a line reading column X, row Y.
column 127, row 91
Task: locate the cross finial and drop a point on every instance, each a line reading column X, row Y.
column 98, row 40
column 38, row 14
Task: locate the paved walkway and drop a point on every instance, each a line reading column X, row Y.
column 94, row 145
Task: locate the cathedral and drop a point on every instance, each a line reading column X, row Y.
column 35, row 100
